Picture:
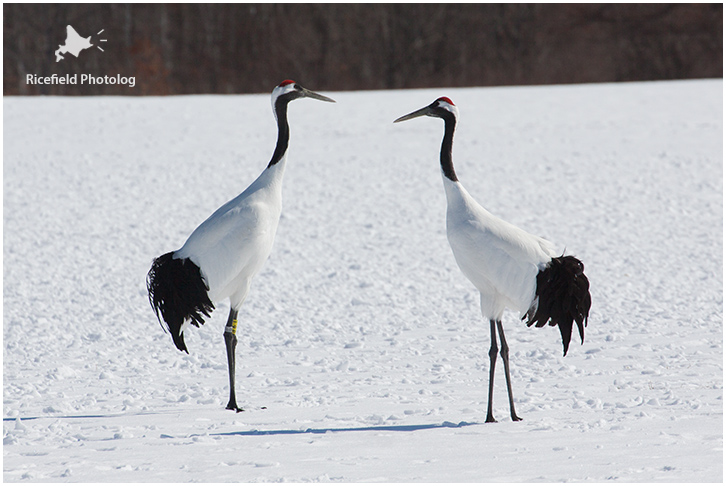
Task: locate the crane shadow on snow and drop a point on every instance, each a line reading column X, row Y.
column 373, row 428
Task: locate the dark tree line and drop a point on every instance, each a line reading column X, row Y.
column 245, row 48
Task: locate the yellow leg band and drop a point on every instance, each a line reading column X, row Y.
column 233, row 328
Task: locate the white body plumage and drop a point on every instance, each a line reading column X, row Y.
column 500, row 259
column 232, row 245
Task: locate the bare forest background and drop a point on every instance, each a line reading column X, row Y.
column 249, row 48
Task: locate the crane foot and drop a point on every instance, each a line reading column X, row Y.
column 233, row 406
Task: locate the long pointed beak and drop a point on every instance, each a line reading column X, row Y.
column 422, row 112
column 311, row 94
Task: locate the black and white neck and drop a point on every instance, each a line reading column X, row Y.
column 449, row 114
column 445, row 109
column 281, row 97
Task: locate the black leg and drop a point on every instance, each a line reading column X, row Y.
column 230, row 339
column 505, row 358
column 492, row 361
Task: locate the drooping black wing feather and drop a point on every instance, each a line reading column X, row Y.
column 178, row 292
column 563, row 297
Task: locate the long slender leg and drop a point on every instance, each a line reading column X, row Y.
column 505, row 358
column 492, row 361
column 230, row 339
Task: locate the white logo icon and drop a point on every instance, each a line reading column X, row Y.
column 74, row 44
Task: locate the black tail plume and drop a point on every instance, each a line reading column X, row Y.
column 178, row 291
column 562, row 296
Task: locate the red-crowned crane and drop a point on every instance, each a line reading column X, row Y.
column 510, row 268
column 222, row 255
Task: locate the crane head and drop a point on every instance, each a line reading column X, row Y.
column 289, row 90
column 441, row 108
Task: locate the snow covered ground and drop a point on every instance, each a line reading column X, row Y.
column 362, row 353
